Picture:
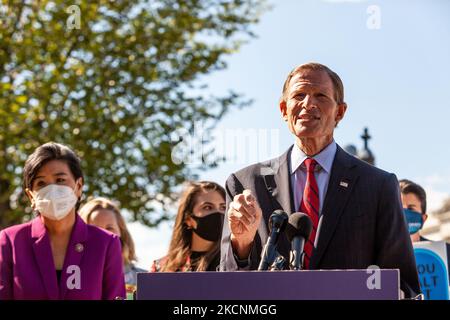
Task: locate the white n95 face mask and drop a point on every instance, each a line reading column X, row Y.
column 55, row 201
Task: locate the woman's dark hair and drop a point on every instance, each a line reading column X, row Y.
column 48, row 152
column 180, row 244
column 407, row 186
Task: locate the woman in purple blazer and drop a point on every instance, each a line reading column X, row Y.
column 57, row 256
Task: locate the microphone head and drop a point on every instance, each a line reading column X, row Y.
column 299, row 225
column 278, row 220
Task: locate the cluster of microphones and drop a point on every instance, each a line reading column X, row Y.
column 297, row 227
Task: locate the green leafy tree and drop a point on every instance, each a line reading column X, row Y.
column 113, row 80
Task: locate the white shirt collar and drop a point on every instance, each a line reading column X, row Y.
column 324, row 158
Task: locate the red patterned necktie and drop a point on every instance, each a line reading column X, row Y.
column 310, row 206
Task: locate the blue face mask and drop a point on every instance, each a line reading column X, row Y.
column 414, row 220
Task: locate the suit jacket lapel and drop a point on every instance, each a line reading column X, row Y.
column 340, row 186
column 278, row 185
column 280, row 189
column 74, row 252
column 43, row 255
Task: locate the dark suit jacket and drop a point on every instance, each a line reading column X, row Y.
column 361, row 225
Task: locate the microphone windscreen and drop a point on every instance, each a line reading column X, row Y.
column 278, row 219
column 299, row 224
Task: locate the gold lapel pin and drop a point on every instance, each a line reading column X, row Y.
column 79, row 247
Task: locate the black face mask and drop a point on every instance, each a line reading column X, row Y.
column 209, row 227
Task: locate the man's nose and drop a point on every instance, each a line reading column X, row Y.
column 309, row 102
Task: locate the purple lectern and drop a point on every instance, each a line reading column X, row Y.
column 270, row 285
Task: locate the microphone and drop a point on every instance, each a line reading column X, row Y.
column 277, row 223
column 298, row 231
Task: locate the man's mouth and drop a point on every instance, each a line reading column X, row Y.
column 308, row 117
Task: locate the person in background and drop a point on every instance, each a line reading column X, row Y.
column 56, row 256
column 414, row 200
column 105, row 214
column 196, row 236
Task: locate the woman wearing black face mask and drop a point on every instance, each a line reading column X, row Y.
column 196, row 236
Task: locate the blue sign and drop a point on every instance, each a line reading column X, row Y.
column 433, row 274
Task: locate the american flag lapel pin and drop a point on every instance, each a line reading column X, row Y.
column 343, row 184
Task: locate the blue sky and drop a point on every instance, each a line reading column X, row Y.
column 396, row 80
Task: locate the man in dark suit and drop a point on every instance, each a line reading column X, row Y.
column 355, row 208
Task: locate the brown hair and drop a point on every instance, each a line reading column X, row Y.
column 128, row 250
column 48, row 152
column 337, row 82
column 180, row 244
column 407, row 186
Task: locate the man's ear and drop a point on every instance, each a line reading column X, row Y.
column 283, row 110
column 341, row 109
column 424, row 217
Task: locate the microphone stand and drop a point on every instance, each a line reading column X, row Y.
column 278, row 263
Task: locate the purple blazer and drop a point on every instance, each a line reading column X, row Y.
column 92, row 270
